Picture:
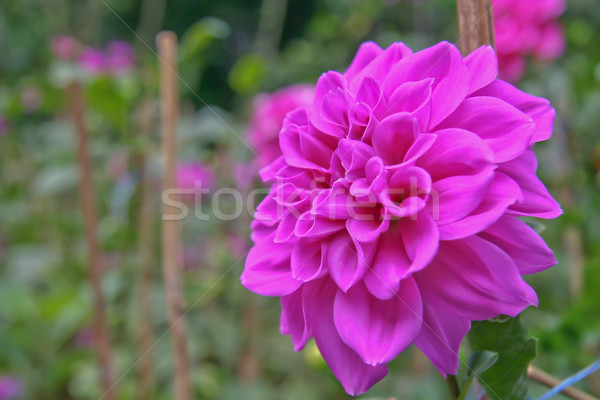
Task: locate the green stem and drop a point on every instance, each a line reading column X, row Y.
column 452, row 384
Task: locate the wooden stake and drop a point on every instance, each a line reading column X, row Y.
column 146, row 258
column 476, row 24
column 171, row 233
column 101, row 336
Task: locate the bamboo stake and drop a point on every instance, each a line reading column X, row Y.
column 546, row 379
column 171, row 233
column 476, row 24
column 101, row 335
column 146, row 257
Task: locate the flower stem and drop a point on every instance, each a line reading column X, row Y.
column 452, row 384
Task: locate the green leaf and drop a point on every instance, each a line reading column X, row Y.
column 200, row 35
column 247, row 74
column 506, row 379
column 479, row 362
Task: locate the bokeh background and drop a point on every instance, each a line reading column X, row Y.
column 230, row 50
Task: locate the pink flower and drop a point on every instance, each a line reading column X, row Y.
column 65, row 47
column 194, row 178
column 120, row 57
column 244, row 174
column 269, row 112
column 527, row 27
column 238, row 245
column 84, row 338
column 93, row 60
column 10, row 387
column 392, row 218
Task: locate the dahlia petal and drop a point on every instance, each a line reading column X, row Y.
column 537, row 108
column 285, row 228
column 476, row 280
column 269, row 172
column 393, row 136
column 334, row 203
column 378, row 329
column 261, row 232
column 308, row 260
column 508, row 136
column 441, row 336
column 380, row 67
column 267, row 271
column 367, row 228
column 521, row 243
column 422, row 143
column 314, row 226
column 420, row 237
column 455, row 152
column 369, row 92
column 348, row 260
column 268, row 212
column 413, row 98
column 303, row 150
column 293, row 321
column 483, row 67
column 347, row 366
column 456, row 197
column 502, row 193
column 537, row 202
column 354, row 155
column 409, row 183
column 328, row 82
column 444, row 63
column 334, row 109
column 389, row 266
column 367, row 52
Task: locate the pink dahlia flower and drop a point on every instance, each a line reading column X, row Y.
column 268, row 115
column 120, row 57
column 10, row 387
column 194, row 178
column 65, row 47
column 527, row 27
column 93, row 60
column 392, row 218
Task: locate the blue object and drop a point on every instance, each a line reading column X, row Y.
column 572, row 380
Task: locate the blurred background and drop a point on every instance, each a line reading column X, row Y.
column 229, row 52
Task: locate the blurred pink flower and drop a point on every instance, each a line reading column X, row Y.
column 84, row 338
column 194, row 177
column 244, row 174
column 392, row 217
column 93, row 60
column 10, row 387
column 527, row 28
column 238, row 245
column 120, row 57
column 65, row 47
column 269, row 111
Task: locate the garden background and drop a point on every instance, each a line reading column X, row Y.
column 230, row 50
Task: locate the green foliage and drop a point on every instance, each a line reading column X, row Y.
column 45, row 298
column 247, row 74
column 503, row 352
